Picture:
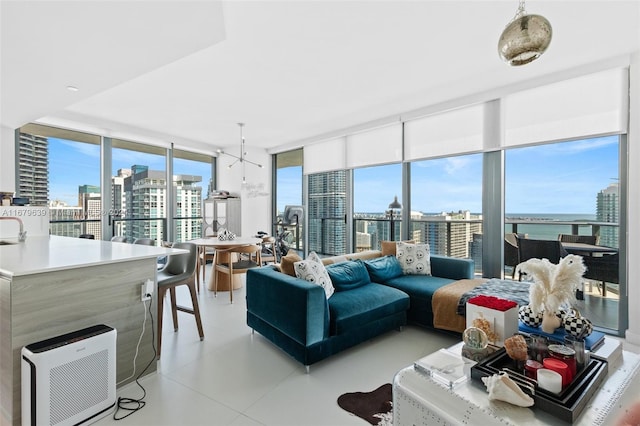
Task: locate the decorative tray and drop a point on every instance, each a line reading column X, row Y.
column 566, row 405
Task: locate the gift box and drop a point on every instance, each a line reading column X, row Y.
column 501, row 314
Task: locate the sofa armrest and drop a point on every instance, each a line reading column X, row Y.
column 291, row 305
column 452, row 267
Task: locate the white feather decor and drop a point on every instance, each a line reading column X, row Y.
column 553, row 285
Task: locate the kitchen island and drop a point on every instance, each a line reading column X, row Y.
column 54, row 285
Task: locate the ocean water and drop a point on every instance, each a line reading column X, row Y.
column 550, row 229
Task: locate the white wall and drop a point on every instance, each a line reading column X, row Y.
column 7, row 159
column 256, row 194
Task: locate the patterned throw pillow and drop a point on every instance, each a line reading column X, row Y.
column 312, row 269
column 415, row 259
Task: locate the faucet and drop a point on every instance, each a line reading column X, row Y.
column 22, row 234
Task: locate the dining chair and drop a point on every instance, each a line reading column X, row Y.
column 205, row 255
column 145, row 241
column 268, row 252
column 118, row 239
column 87, row 236
column 236, row 260
column 179, row 270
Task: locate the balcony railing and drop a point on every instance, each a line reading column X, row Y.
column 455, row 237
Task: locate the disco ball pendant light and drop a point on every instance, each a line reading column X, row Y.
column 525, row 38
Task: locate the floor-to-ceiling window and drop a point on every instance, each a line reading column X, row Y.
column 569, row 191
column 192, row 182
column 61, row 169
column 446, row 206
column 139, row 190
column 287, row 195
column 327, row 209
column 374, row 189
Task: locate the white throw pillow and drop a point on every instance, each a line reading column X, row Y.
column 415, row 259
column 312, row 269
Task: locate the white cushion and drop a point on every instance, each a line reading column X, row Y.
column 312, row 269
column 415, row 259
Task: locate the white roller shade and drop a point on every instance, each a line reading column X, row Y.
column 452, row 132
column 591, row 105
column 324, row 156
column 378, row 146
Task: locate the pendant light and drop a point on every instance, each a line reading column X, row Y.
column 241, row 158
column 525, row 38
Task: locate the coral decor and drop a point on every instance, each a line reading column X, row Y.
column 493, row 302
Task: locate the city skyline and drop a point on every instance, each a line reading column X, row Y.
column 556, row 178
column 84, row 160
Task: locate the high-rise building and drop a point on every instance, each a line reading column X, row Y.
column 65, row 220
column 327, row 209
column 119, row 201
column 146, row 195
column 33, row 169
column 188, row 198
column 448, row 233
column 146, row 198
column 90, row 201
column 608, row 210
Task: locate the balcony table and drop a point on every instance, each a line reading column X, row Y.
column 584, row 249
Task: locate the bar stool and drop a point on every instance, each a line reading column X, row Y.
column 179, row 270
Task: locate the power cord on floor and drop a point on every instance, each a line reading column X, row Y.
column 132, row 405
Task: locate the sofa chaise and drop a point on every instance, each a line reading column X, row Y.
column 370, row 298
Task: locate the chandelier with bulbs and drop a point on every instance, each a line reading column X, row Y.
column 242, row 157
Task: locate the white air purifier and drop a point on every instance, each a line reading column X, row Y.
column 69, row 379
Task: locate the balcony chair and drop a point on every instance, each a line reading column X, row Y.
column 179, row 270
column 540, row 249
column 511, row 257
column 118, row 239
column 604, row 269
column 585, row 239
column 238, row 261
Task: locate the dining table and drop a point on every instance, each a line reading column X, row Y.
column 215, row 243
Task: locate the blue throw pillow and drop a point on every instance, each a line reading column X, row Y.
column 383, row 269
column 348, row 275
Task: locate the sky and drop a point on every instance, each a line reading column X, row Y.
column 550, row 179
column 83, row 160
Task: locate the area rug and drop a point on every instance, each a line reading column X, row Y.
column 375, row 407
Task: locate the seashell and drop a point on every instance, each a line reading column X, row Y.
column 502, row 388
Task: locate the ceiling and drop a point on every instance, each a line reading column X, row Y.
column 188, row 71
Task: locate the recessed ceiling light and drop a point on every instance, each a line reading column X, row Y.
column 72, row 88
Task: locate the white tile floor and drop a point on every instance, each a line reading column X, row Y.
column 236, row 378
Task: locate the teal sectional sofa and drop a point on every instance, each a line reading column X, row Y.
column 370, row 299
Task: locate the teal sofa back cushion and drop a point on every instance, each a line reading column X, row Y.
column 383, row 269
column 348, row 275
